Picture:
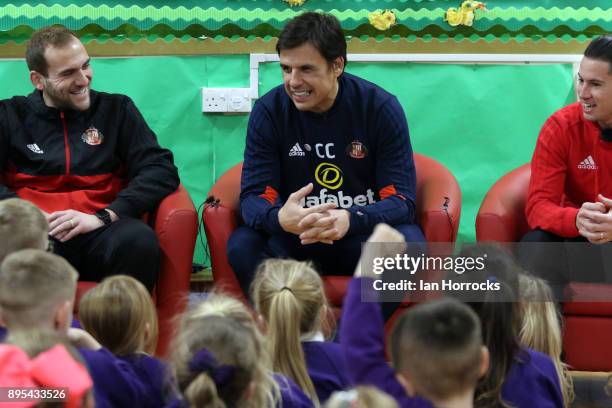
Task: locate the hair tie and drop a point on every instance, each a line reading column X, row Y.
column 204, row 361
column 54, row 368
column 286, row 288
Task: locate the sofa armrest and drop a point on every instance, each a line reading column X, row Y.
column 176, row 227
column 439, row 209
column 219, row 223
column 501, row 216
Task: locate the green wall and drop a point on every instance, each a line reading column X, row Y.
column 478, row 120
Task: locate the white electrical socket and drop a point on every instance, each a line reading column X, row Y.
column 226, row 100
column 214, row 100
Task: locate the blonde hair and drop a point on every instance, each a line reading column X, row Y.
column 117, row 312
column 33, row 283
column 230, row 344
column 22, row 226
column 361, row 397
column 540, row 327
column 289, row 295
column 266, row 391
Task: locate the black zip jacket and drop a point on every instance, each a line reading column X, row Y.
column 104, row 157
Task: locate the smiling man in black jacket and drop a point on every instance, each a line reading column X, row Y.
column 87, row 159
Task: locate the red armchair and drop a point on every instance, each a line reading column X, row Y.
column 587, row 338
column 438, row 211
column 176, row 225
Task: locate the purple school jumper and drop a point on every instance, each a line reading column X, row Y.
column 531, row 381
column 326, row 367
column 292, row 395
column 116, row 385
column 363, row 343
column 154, row 375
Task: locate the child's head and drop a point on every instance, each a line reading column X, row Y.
column 22, row 225
column 437, row 350
column 361, row 397
column 265, row 390
column 36, row 290
column 215, row 361
column 45, row 359
column 120, row 314
column 289, row 295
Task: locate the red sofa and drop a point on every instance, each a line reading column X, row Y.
column 587, row 340
column 176, row 224
column 438, row 211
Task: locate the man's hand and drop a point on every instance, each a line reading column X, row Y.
column 67, row 224
column 594, row 221
column 383, row 233
column 326, row 229
column 605, row 201
column 292, row 213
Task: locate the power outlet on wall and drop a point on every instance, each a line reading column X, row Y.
column 214, row 100
column 226, row 100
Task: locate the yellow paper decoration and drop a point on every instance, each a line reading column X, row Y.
column 465, row 14
column 382, row 20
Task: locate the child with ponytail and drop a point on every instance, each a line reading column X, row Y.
column 215, row 363
column 289, row 296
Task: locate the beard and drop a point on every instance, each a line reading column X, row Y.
column 62, row 101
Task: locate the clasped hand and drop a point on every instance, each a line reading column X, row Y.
column 594, row 220
column 321, row 223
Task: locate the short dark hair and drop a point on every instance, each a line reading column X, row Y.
column 321, row 30
column 439, row 343
column 600, row 49
column 54, row 36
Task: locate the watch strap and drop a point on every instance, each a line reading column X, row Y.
column 104, row 216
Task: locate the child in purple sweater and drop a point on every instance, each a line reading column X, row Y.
column 37, row 292
column 269, row 389
column 529, row 379
column 289, row 295
column 119, row 313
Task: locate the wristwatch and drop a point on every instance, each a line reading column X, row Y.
column 104, row 216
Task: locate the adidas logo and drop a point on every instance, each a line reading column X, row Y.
column 296, row 150
column 34, row 147
column 588, row 164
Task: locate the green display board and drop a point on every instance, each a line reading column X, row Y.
column 478, row 120
column 505, row 19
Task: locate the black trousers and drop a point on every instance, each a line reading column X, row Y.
column 127, row 246
column 562, row 260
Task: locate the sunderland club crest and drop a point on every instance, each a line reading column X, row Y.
column 92, row 136
column 356, row 150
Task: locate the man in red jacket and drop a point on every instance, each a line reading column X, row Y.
column 571, row 177
column 87, row 159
